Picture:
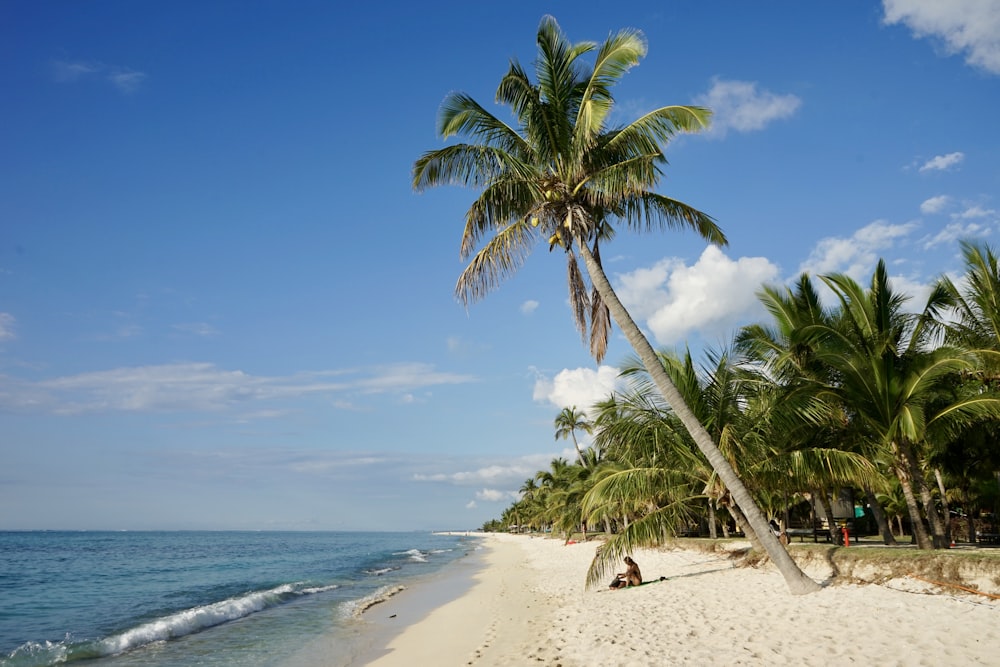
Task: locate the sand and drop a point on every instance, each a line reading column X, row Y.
column 529, row 606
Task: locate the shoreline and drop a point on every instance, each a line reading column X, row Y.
column 525, row 603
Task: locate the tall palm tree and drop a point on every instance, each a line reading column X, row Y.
column 568, row 422
column 563, row 174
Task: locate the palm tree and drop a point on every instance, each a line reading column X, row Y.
column 785, row 353
column 564, row 175
column 890, row 377
column 976, row 303
column 569, row 421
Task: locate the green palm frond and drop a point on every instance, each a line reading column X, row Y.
column 616, row 56
column 462, row 115
column 649, row 211
column 647, row 133
column 649, row 531
column 501, row 257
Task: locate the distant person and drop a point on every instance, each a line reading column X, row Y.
column 630, row 577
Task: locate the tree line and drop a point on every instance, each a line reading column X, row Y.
column 901, row 408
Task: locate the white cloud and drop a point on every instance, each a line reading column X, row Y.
column 73, row 71
column 580, row 387
column 934, row 204
column 711, row 297
column 528, row 307
column 7, row 327
column 917, row 291
column 943, row 162
column 974, row 212
column 742, row 107
column 201, row 387
column 969, row 27
column 498, row 474
column 497, row 496
column 857, row 255
column 125, row 79
column 974, row 221
column 954, row 232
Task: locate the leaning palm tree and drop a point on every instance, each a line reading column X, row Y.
column 568, row 422
column 564, row 175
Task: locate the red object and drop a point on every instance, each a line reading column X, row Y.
column 847, row 536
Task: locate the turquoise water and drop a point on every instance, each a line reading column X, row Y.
column 172, row 599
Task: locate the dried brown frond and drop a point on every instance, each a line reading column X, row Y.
column 600, row 326
column 578, row 297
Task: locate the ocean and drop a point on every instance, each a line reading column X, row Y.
column 220, row 599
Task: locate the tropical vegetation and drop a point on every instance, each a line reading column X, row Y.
column 898, row 412
column 823, row 399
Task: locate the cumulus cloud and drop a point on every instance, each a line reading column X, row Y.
column 710, row 297
column 6, row 327
column 125, row 79
column 497, row 496
column 934, row 204
column 577, row 387
column 943, row 162
column 743, row 107
column 528, row 307
column 856, row 255
column 968, row 27
column 201, row 387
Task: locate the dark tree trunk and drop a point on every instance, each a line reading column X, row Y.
column 883, row 523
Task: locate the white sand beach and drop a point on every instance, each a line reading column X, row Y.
column 529, row 606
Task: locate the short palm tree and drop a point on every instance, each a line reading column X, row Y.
column 564, row 176
column 568, row 422
column 889, row 375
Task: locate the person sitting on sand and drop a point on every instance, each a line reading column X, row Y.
column 630, row 577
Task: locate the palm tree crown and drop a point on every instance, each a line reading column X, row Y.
column 561, row 172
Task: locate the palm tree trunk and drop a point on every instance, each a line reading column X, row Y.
column 579, row 452
column 913, row 509
column 933, row 516
column 831, row 523
column 712, row 529
column 883, row 523
column 945, row 509
column 918, row 478
column 796, row 580
column 741, row 522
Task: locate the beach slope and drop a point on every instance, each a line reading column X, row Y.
column 529, row 606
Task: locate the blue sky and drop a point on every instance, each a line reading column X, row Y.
column 222, row 305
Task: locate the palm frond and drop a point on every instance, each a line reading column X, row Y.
column 649, row 211
column 497, row 260
column 648, row 132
